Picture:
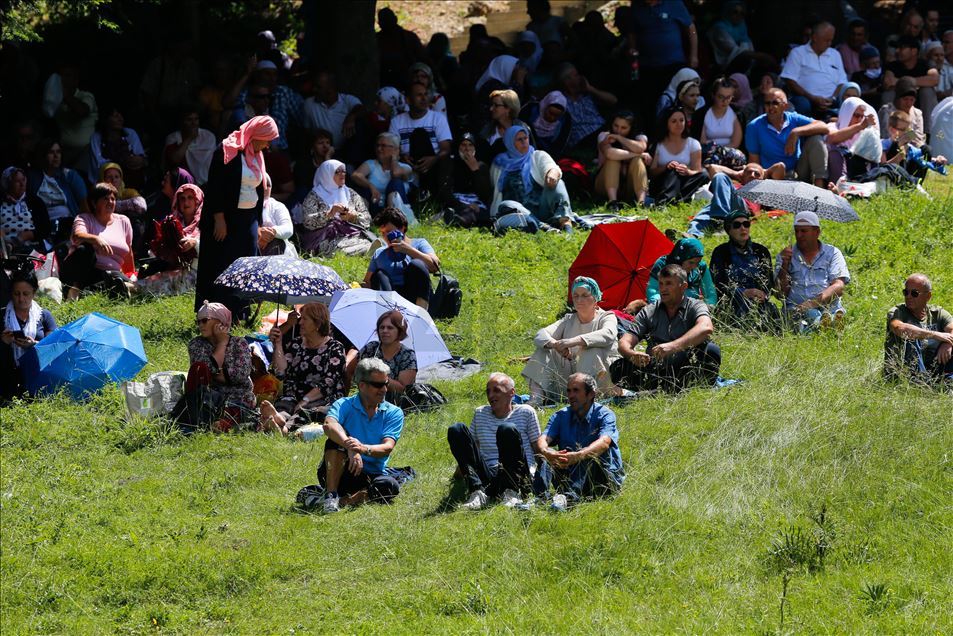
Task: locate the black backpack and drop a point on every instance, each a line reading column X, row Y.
column 447, row 298
column 420, row 397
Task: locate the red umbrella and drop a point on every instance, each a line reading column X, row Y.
column 619, row 256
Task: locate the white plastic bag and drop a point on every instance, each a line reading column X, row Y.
column 156, row 396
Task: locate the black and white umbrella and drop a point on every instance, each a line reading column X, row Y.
column 797, row 196
column 281, row 279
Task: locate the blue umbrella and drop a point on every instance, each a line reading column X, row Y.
column 281, row 279
column 84, row 355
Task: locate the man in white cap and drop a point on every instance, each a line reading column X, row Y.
column 811, row 276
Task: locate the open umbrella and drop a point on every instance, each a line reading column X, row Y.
column 84, row 355
column 797, row 196
column 280, row 279
column 619, row 256
column 355, row 311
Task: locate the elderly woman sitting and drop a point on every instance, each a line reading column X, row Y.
column 528, row 183
column 334, row 215
column 223, row 362
column 584, row 341
column 313, row 367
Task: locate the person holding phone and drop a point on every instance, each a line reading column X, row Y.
column 24, row 324
column 223, row 358
column 334, row 216
column 404, row 264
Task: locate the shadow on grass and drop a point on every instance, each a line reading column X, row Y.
column 450, row 501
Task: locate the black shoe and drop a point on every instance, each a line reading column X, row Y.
column 616, row 206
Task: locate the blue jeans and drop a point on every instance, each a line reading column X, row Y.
column 589, row 478
column 724, row 200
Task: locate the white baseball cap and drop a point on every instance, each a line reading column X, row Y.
column 807, row 219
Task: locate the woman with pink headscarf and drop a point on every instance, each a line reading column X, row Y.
column 234, row 195
column 176, row 240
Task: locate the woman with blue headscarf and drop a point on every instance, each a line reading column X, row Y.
column 583, row 341
column 528, row 185
column 688, row 252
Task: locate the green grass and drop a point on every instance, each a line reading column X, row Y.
column 109, row 526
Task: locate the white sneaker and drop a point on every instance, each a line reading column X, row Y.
column 511, row 498
column 331, row 504
column 560, row 503
column 476, row 501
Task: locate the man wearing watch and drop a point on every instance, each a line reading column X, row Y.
column 362, row 431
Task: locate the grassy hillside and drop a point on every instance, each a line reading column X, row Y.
column 812, row 482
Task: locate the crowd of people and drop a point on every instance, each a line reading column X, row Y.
column 272, row 159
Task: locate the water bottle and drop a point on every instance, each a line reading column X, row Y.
column 634, row 55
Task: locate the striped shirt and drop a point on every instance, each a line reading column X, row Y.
column 484, row 426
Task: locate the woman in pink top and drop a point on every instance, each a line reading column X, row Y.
column 102, row 247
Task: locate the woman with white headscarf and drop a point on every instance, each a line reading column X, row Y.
column 334, row 215
column 669, row 97
column 855, row 119
column 500, row 72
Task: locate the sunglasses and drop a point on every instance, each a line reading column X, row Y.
column 911, row 292
column 376, row 385
column 740, row 224
column 202, row 321
column 774, row 102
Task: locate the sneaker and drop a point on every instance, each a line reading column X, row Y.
column 525, row 505
column 511, row 498
column 331, row 503
column 476, row 501
column 559, row 503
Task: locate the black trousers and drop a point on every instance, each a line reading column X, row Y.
column 671, row 187
column 439, row 178
column 79, row 270
column 695, row 366
column 380, row 488
column 417, row 283
column 512, row 473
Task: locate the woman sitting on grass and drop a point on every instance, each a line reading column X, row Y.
column 313, row 367
column 401, row 360
column 688, row 252
column 676, row 171
column 25, row 323
column 334, row 215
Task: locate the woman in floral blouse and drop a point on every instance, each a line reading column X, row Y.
column 222, row 356
column 313, row 366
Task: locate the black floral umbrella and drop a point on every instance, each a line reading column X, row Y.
column 797, row 196
column 281, row 279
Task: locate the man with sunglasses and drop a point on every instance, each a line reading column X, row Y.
column 811, row 276
column 742, row 272
column 919, row 342
column 362, row 431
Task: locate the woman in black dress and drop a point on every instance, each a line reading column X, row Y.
column 233, row 200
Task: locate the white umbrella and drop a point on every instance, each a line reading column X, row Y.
column 355, row 311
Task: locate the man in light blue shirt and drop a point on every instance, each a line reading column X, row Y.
column 812, row 276
column 362, row 431
column 776, row 138
column 580, row 448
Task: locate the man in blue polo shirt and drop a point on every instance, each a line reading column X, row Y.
column 791, row 139
column 362, row 431
column 588, row 462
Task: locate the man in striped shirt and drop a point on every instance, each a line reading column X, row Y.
column 495, row 453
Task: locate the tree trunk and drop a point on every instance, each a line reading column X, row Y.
column 342, row 39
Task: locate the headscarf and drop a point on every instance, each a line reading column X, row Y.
column 11, row 323
column 588, row 283
column 544, row 128
column 671, row 92
column 192, row 228
column 743, row 95
column 512, row 160
column 532, row 62
column 846, row 111
column 124, row 192
column 394, row 98
column 500, row 69
column 431, row 85
column 683, row 250
column 845, row 87
column 324, row 185
column 180, row 176
column 261, row 128
column 218, row 311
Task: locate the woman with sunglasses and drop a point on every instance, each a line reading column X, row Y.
column 400, row 359
column 234, row 196
column 335, row 217
column 221, row 360
column 504, row 113
column 743, row 272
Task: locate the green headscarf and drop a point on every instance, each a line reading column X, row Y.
column 588, row 283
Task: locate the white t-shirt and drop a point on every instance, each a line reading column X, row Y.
column 685, row 156
column 317, row 114
column 817, row 74
column 248, row 195
column 719, row 130
column 433, row 122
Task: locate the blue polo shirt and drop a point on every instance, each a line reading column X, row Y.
column 659, row 32
column 567, row 432
column 768, row 142
column 388, row 421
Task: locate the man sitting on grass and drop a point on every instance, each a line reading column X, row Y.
column 676, row 329
column 362, row 431
column 811, row 276
column 588, row 462
column 495, row 454
column 919, row 341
